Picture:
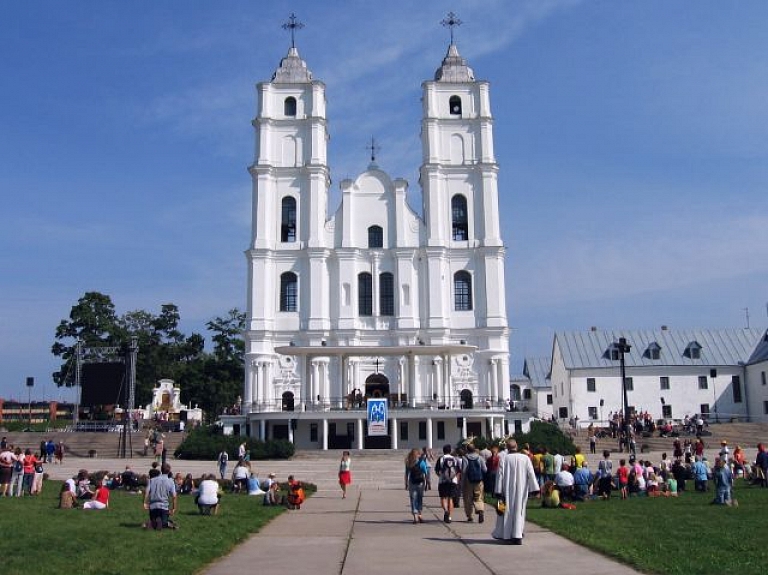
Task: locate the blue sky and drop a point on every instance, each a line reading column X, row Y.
column 632, row 139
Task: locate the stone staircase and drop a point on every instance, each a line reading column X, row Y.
column 80, row 444
column 747, row 435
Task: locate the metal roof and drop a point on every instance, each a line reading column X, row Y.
column 536, row 369
column 587, row 349
column 761, row 351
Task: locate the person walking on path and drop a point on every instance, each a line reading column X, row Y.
column 473, row 470
column 515, row 481
column 447, row 469
column 345, row 475
column 223, row 459
column 415, row 481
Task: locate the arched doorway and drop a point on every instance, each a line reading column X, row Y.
column 377, row 385
column 465, row 397
column 287, row 404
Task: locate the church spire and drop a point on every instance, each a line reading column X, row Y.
column 292, row 69
column 454, row 68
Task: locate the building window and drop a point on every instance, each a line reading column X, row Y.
column 630, row 383
column 592, row 412
column 549, row 399
column 422, row 430
column 288, row 220
column 526, row 394
column 454, row 105
column 765, row 407
column 704, row 410
column 289, row 106
column 703, row 383
column 404, row 430
column 664, row 382
column 563, row 412
column 459, row 218
column 762, row 376
column 653, row 351
column 666, row 411
column 441, row 430
column 387, row 294
column 462, row 291
column 693, row 350
column 375, row 237
column 289, row 292
column 591, row 384
column 365, row 294
column 736, row 385
column 313, row 432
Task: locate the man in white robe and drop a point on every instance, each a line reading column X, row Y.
column 514, row 482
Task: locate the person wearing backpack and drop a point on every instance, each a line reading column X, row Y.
column 473, row 470
column 415, row 481
column 447, row 470
column 223, row 460
column 17, row 476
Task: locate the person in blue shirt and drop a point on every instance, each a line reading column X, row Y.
column 582, row 483
column 700, row 475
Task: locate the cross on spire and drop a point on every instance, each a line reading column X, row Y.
column 293, row 24
column 373, row 148
column 451, row 21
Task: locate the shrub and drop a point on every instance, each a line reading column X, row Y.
column 543, row 434
column 205, row 443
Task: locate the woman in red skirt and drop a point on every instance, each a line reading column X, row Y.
column 345, row 475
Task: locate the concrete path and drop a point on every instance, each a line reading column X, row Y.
column 371, row 532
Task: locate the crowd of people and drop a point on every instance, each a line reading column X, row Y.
column 21, row 471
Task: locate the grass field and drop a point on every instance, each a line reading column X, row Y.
column 39, row 538
column 684, row 535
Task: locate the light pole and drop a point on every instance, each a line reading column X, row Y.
column 713, row 375
column 623, row 347
column 30, row 385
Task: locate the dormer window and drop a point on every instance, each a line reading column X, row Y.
column 653, row 351
column 289, row 106
column 693, row 350
column 454, row 106
column 612, row 352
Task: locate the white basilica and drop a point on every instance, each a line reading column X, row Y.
column 375, row 300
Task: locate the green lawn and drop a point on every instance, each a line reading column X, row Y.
column 41, row 539
column 684, row 535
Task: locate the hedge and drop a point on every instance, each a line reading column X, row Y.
column 205, row 443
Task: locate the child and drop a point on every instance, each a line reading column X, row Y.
column 295, row 493
column 623, row 476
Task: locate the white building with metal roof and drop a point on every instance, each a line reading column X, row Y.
column 670, row 374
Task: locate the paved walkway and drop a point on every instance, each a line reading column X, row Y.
column 371, row 532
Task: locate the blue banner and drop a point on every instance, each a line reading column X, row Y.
column 377, row 416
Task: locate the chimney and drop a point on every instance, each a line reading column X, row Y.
column 593, row 328
column 664, row 328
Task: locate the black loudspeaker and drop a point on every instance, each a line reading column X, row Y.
column 713, row 373
column 103, row 384
column 602, row 402
column 30, row 381
column 459, row 422
column 183, row 416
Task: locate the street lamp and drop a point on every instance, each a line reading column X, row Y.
column 623, row 347
column 30, row 385
column 713, row 375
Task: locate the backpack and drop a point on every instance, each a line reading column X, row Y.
column 223, row 457
column 18, row 467
column 474, row 471
column 416, row 474
column 447, row 471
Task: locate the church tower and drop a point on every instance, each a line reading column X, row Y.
column 290, row 194
column 465, row 253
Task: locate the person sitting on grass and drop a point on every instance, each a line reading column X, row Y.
column 272, row 496
column 129, row 479
column 670, row 487
column 67, row 499
column 187, row 485
column 240, row 477
column 652, row 485
column 254, row 486
column 100, row 499
column 84, row 490
column 564, row 482
column 208, row 495
column 295, row 493
column 582, row 483
column 550, row 497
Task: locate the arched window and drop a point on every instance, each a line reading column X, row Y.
column 375, row 237
column 288, row 220
column 459, row 217
column 365, row 294
column 454, row 105
column 289, row 292
column 386, row 294
column 462, row 291
column 289, row 106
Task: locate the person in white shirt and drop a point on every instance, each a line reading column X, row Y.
column 208, row 494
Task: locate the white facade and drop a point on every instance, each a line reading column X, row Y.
column 666, row 376
column 374, row 299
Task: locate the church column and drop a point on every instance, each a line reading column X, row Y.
column 437, row 380
column 359, row 433
column 344, row 382
column 447, row 384
column 429, row 432
column 315, row 385
column 401, row 374
column 490, row 426
column 325, row 434
column 503, row 379
column 290, row 430
column 394, row 433
column 494, row 388
column 248, row 399
column 464, row 427
column 412, row 367
column 263, row 430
